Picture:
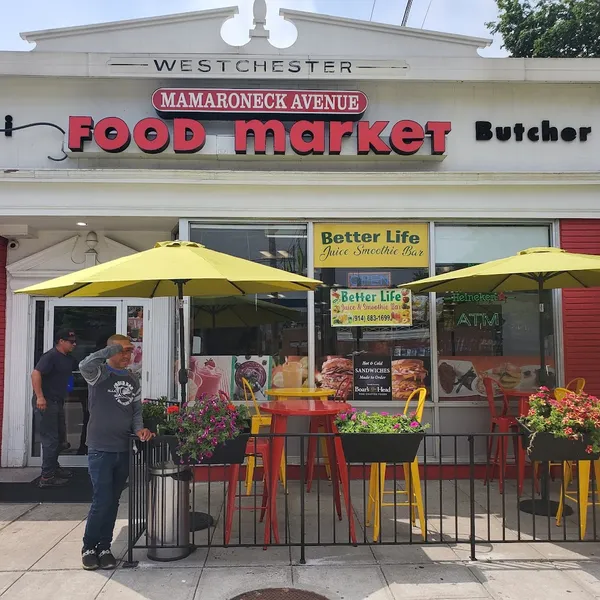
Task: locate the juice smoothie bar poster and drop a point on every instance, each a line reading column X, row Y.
column 222, row 376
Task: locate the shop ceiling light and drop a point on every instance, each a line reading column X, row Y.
column 284, row 253
column 81, row 224
column 267, row 254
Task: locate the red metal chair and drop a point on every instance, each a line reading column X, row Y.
column 257, row 447
column 499, row 423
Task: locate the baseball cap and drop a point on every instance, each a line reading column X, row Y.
column 65, row 334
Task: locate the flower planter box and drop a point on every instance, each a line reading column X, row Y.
column 381, row 447
column 544, row 447
column 231, row 452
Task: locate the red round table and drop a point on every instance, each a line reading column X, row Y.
column 281, row 410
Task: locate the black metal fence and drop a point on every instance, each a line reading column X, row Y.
column 452, row 499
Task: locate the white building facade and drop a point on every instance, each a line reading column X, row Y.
column 369, row 128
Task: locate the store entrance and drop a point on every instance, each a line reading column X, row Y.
column 93, row 322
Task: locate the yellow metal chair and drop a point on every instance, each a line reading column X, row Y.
column 583, row 483
column 377, row 490
column 576, row 385
column 257, row 421
column 561, row 393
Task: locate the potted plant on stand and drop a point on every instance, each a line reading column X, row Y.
column 379, row 437
column 561, row 430
column 211, row 430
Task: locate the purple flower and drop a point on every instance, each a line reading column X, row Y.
column 343, row 417
column 414, row 424
column 396, row 425
column 385, row 414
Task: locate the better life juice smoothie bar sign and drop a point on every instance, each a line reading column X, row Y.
column 371, row 308
column 356, row 245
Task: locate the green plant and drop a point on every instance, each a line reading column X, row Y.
column 366, row 422
column 575, row 417
column 207, row 422
column 159, row 415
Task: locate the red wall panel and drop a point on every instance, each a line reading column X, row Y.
column 3, row 251
column 581, row 309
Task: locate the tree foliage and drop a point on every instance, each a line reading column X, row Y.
column 549, row 28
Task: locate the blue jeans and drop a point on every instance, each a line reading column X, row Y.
column 108, row 472
column 51, row 427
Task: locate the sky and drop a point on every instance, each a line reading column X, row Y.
column 466, row 17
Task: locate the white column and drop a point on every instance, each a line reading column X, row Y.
column 17, row 388
column 160, row 349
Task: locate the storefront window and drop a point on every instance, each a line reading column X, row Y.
column 488, row 334
column 260, row 338
column 372, row 336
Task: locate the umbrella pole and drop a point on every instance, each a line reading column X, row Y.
column 543, row 373
column 183, row 376
column 543, row 507
column 199, row 520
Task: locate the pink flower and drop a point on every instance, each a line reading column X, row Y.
column 385, row 414
column 353, row 417
column 364, row 423
column 414, row 424
column 396, row 426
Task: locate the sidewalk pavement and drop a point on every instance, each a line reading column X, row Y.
column 40, row 558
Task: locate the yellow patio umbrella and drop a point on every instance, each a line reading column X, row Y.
column 174, row 269
column 536, row 269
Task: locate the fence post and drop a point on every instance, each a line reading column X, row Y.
column 471, row 440
column 302, row 502
column 130, row 563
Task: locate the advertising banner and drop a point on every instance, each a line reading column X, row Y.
column 358, row 245
column 371, row 308
column 372, row 377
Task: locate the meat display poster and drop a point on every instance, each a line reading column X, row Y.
column 372, row 377
column 461, row 377
column 371, row 308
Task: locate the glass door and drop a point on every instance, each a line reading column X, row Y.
column 93, row 322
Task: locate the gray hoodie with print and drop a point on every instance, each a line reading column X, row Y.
column 114, row 399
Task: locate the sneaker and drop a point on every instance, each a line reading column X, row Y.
column 106, row 560
column 89, row 560
column 54, row 481
column 63, row 473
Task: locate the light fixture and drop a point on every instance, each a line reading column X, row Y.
column 91, row 241
column 81, row 224
column 267, row 254
column 284, row 253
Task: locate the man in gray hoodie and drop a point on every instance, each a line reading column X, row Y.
column 114, row 398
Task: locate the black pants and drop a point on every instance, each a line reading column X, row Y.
column 50, row 426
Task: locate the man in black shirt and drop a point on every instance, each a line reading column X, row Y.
column 50, row 380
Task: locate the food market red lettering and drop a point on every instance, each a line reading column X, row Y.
column 153, row 136
column 260, row 131
column 338, row 130
column 438, row 130
column 112, row 134
column 303, row 129
column 368, row 138
column 189, row 136
column 80, row 130
column 151, row 126
column 407, row 137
